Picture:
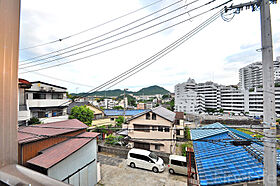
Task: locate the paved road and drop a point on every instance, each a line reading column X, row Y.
column 114, row 171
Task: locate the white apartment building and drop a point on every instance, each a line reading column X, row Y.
column 190, row 102
column 250, row 76
column 46, row 100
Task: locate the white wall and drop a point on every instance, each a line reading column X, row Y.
column 86, row 176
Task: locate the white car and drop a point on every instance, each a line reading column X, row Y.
column 145, row 159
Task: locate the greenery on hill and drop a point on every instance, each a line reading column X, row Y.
column 152, row 90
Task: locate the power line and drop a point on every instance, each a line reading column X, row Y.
column 119, row 45
column 112, row 36
column 51, row 77
column 102, row 24
column 102, row 34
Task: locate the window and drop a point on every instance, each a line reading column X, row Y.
column 154, row 128
column 148, row 116
column 139, row 145
column 166, row 129
column 160, row 128
column 157, row 147
column 179, row 163
column 142, row 128
column 178, row 132
column 57, row 96
column 154, row 116
column 39, row 96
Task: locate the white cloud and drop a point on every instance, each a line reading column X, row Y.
column 204, row 57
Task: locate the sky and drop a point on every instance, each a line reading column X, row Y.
column 216, row 53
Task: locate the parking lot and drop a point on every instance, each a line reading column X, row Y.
column 114, row 171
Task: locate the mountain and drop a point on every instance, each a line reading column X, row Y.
column 152, row 90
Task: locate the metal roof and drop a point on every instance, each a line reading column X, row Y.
column 53, row 155
column 165, row 113
column 32, row 133
column 222, row 163
column 112, row 112
column 214, row 129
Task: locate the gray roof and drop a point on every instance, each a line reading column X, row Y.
column 165, row 113
column 74, row 104
column 161, row 111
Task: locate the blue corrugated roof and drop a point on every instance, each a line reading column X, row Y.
column 222, row 163
column 202, row 132
column 111, row 112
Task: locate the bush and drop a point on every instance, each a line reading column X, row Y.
column 113, row 140
column 34, row 120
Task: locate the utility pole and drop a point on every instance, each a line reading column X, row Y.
column 124, row 105
column 270, row 166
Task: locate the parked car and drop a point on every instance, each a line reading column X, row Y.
column 177, row 164
column 145, row 159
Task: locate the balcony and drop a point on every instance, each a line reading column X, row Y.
column 46, row 102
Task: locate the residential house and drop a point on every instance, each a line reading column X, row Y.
column 97, row 112
column 46, row 100
column 23, row 109
column 147, row 128
column 61, row 150
column 180, row 124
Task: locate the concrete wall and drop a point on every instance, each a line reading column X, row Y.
column 42, row 86
column 123, row 151
column 80, row 158
column 153, row 134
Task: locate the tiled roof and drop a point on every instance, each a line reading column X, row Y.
column 222, row 163
column 30, row 133
column 112, row 112
column 203, row 132
column 179, row 115
column 59, row 152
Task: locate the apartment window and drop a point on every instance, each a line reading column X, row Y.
column 148, row 116
column 39, row 96
column 160, row 128
column 178, row 132
column 142, row 128
column 157, row 147
column 154, row 116
column 57, row 96
column 166, row 129
column 154, row 128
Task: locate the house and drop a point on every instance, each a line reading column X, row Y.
column 46, row 100
column 219, row 162
column 147, row 128
column 23, row 109
column 180, row 124
column 61, row 150
column 97, row 112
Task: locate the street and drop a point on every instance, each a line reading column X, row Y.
column 114, row 171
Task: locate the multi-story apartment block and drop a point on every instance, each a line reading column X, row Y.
column 46, row 100
column 23, row 110
column 250, row 76
column 190, row 102
column 147, row 128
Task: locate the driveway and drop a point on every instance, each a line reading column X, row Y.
column 114, row 171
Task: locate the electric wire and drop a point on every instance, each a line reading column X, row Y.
column 102, row 24
column 113, row 41
column 102, row 34
column 122, row 44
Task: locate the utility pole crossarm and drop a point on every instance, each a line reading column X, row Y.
column 247, row 5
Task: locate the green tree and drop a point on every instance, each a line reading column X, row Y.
column 118, row 107
column 119, row 121
column 82, row 113
column 221, row 110
column 165, row 96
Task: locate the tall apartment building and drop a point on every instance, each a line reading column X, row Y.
column 187, row 100
column 250, row 76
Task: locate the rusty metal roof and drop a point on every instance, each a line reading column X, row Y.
column 53, row 155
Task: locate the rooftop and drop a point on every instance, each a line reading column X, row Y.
column 53, row 155
column 36, row 132
column 112, row 112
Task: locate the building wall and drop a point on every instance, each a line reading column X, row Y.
column 30, row 150
column 150, row 134
column 87, row 176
